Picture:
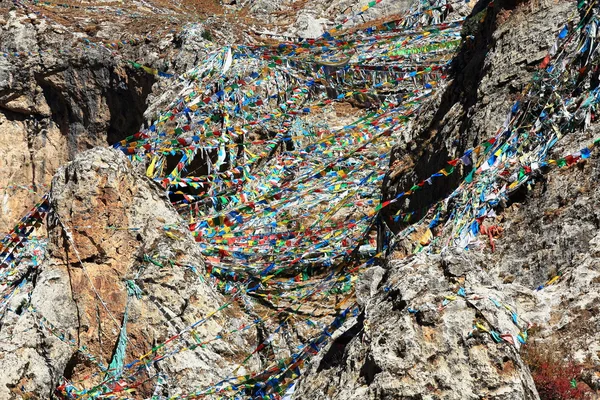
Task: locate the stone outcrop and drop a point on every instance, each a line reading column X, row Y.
column 556, row 231
column 56, row 104
column 504, row 45
column 108, row 252
column 62, row 93
column 406, row 345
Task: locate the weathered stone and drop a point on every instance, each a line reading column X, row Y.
column 409, row 346
column 106, row 223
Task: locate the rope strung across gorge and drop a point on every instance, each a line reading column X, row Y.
column 282, row 205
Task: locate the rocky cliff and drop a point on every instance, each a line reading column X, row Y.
column 55, row 104
column 402, row 206
column 547, row 233
column 106, row 276
column 67, row 84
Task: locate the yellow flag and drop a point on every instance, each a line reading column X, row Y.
column 150, row 170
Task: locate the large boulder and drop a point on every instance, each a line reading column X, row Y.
column 416, row 339
column 120, row 263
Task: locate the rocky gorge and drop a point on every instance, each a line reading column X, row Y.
column 292, row 200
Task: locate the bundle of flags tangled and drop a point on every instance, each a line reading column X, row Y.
column 283, row 205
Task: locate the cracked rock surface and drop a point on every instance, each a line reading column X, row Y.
column 79, row 288
column 406, row 346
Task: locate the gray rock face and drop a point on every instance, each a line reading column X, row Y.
column 107, row 237
column 555, row 231
column 82, row 89
column 55, row 104
column 408, row 345
column 62, row 93
column 492, row 68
